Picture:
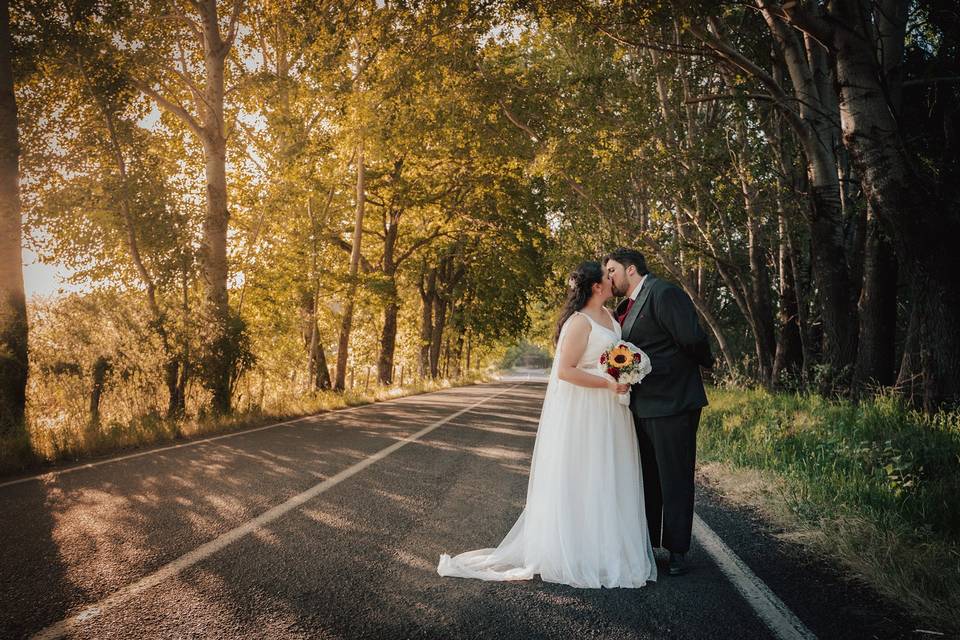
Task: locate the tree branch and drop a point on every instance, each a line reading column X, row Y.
column 733, row 57
column 802, row 19
column 170, row 106
column 337, row 241
column 655, row 46
column 183, row 17
column 920, row 81
column 730, row 96
column 187, row 80
column 234, row 23
column 422, row 242
column 516, row 121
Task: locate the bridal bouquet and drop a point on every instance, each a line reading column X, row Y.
column 626, row 364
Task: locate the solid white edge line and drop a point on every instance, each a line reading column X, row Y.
column 771, row 609
column 193, row 443
column 171, row 569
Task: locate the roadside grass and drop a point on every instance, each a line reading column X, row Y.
column 874, row 485
column 69, row 442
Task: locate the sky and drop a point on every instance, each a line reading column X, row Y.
column 49, row 279
column 43, row 279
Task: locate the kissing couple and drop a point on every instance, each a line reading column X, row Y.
column 608, row 482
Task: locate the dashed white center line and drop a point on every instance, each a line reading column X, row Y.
column 171, row 569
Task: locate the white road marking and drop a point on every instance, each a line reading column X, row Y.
column 771, row 609
column 193, row 443
column 169, row 570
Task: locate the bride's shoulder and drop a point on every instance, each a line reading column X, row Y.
column 578, row 321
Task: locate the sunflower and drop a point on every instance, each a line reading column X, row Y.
column 621, row 357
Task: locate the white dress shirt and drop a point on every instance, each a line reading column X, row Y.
column 636, row 289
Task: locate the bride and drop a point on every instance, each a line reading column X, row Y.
column 584, row 522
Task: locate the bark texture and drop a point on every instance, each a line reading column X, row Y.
column 13, row 309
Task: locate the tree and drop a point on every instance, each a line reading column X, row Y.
column 811, row 111
column 97, row 169
column 213, row 42
column 13, row 311
column 914, row 200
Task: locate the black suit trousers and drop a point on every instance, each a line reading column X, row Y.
column 668, row 457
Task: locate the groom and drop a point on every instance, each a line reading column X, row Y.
column 660, row 319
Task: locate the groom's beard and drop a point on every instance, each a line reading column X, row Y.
column 617, row 291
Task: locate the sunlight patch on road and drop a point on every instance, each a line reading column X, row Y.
column 174, row 568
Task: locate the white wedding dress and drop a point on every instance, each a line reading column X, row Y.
column 584, row 522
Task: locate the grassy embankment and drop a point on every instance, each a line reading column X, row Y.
column 68, row 443
column 875, row 485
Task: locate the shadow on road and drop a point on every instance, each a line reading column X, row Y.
column 77, row 538
column 34, row 566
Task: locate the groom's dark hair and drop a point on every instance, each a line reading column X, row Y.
column 628, row 257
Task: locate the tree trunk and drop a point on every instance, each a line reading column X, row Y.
column 13, row 308
column 175, row 403
column 469, row 351
column 878, row 311
column 703, row 307
column 178, row 371
column 458, row 357
column 98, row 378
column 446, row 357
column 347, row 320
column 789, row 351
column 388, row 342
column 213, row 254
column 922, row 227
column 439, row 324
column 388, row 336
column 757, row 296
column 428, row 297
column 213, row 261
column 318, row 376
column 321, row 374
column 809, row 113
column 220, row 352
column 792, row 348
column 828, row 249
column 910, row 377
column 175, row 399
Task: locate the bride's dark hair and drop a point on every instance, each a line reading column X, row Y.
column 579, row 289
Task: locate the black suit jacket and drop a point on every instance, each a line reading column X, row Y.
column 664, row 323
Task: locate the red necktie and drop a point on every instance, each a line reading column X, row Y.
column 626, row 311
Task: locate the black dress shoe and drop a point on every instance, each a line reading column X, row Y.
column 678, row 565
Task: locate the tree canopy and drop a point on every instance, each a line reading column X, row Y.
column 278, row 198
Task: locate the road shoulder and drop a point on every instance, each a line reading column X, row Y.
column 828, row 597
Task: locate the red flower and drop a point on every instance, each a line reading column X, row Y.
column 636, row 357
column 603, row 358
column 614, row 372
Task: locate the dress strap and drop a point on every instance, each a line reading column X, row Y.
column 581, row 313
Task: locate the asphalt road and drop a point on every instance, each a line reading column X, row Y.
column 311, row 530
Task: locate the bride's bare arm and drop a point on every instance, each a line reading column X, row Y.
column 571, row 349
